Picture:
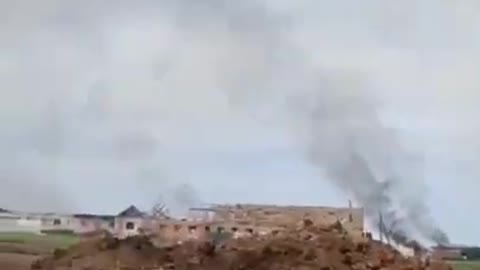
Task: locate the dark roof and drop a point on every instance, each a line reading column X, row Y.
column 131, row 211
column 203, row 209
column 3, row 210
column 92, row 216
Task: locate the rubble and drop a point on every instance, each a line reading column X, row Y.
column 304, row 248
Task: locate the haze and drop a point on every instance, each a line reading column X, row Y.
column 108, row 104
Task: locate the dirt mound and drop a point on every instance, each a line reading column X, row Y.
column 303, row 248
column 13, row 261
column 102, row 254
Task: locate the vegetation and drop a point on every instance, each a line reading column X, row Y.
column 55, row 240
column 472, row 253
column 465, row 265
column 58, row 232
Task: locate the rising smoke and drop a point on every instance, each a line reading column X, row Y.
column 339, row 115
column 363, row 157
column 345, row 135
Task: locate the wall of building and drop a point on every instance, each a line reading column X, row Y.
column 18, row 223
column 173, row 231
column 123, row 226
column 447, row 254
column 74, row 224
column 88, row 225
column 8, row 223
column 169, row 233
column 36, row 223
column 53, row 222
column 352, row 219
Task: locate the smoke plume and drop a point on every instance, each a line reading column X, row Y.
column 339, row 120
column 362, row 157
column 339, row 115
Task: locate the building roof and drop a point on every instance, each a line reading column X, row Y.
column 131, row 211
column 203, row 209
column 280, row 207
column 8, row 215
column 93, row 216
column 3, row 210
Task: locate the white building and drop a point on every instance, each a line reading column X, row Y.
column 130, row 222
column 18, row 222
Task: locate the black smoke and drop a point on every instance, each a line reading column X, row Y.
column 348, row 142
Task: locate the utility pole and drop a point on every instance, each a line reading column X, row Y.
column 350, row 214
column 380, row 225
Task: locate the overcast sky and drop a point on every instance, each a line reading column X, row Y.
column 109, row 103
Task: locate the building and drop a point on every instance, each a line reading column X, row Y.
column 449, row 252
column 8, row 221
column 13, row 221
column 55, row 222
column 236, row 220
column 168, row 232
column 16, row 221
column 88, row 223
column 131, row 221
column 352, row 219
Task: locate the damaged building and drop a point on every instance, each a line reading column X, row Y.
column 352, row 219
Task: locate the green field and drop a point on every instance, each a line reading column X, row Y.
column 60, row 240
column 29, row 243
column 465, row 265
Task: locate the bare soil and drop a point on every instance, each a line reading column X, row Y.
column 13, row 261
column 306, row 248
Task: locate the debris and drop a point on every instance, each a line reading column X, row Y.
column 310, row 247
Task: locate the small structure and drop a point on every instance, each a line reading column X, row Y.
column 8, row 221
column 53, row 221
column 130, row 222
column 11, row 221
column 449, row 252
column 88, row 223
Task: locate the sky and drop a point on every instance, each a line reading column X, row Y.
column 110, row 103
